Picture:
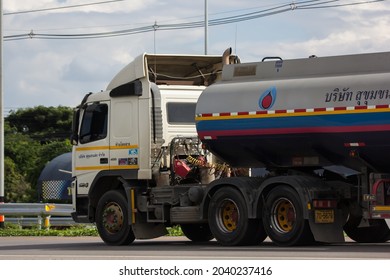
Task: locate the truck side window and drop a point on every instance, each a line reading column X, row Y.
column 181, row 113
column 94, row 124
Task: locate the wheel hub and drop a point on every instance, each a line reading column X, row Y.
column 112, row 217
column 228, row 216
column 283, row 215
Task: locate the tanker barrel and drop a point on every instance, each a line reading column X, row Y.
column 300, row 113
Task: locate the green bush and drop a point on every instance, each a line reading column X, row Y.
column 16, row 230
column 80, row 230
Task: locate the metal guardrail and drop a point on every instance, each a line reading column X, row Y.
column 32, row 221
column 35, row 209
column 42, row 212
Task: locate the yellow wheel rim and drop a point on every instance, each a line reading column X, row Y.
column 228, row 216
column 283, row 215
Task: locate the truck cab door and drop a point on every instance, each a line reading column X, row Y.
column 91, row 154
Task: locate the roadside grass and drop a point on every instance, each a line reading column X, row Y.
column 17, row 230
column 78, row 230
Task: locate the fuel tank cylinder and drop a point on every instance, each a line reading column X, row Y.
column 301, row 112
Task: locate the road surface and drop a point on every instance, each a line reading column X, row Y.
column 166, row 248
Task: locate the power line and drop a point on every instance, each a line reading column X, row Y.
column 303, row 5
column 150, row 28
column 62, row 7
column 307, row 7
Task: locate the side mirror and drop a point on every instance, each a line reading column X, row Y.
column 74, row 139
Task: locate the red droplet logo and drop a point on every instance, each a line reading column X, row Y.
column 267, row 99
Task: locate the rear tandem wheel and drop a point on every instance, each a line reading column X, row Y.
column 283, row 218
column 377, row 232
column 229, row 222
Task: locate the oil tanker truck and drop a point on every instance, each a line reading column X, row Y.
column 295, row 150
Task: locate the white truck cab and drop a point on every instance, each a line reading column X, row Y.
column 124, row 131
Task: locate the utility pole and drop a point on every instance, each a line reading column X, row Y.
column 206, row 25
column 1, row 116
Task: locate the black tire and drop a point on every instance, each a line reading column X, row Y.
column 377, row 232
column 283, row 218
column 197, row 232
column 112, row 219
column 228, row 219
column 259, row 234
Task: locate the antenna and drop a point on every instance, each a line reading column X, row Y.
column 235, row 41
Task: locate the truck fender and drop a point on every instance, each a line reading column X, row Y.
column 103, row 182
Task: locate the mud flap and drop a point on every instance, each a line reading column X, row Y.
column 149, row 231
column 328, row 233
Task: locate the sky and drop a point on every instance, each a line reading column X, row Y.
column 59, row 72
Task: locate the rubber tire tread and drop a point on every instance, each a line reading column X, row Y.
column 378, row 232
column 197, row 232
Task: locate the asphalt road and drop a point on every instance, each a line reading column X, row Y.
column 166, row 248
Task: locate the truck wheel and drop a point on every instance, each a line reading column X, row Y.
column 112, row 219
column 228, row 219
column 197, row 232
column 283, row 218
column 377, row 232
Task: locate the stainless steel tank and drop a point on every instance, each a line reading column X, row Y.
column 301, row 112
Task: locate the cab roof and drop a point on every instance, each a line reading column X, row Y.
column 172, row 69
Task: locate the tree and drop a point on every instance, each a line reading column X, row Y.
column 43, row 123
column 16, row 187
column 33, row 137
column 21, row 148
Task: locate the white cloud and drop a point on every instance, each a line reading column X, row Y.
column 54, row 72
column 324, row 32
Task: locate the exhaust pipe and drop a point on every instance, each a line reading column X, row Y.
column 226, row 56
